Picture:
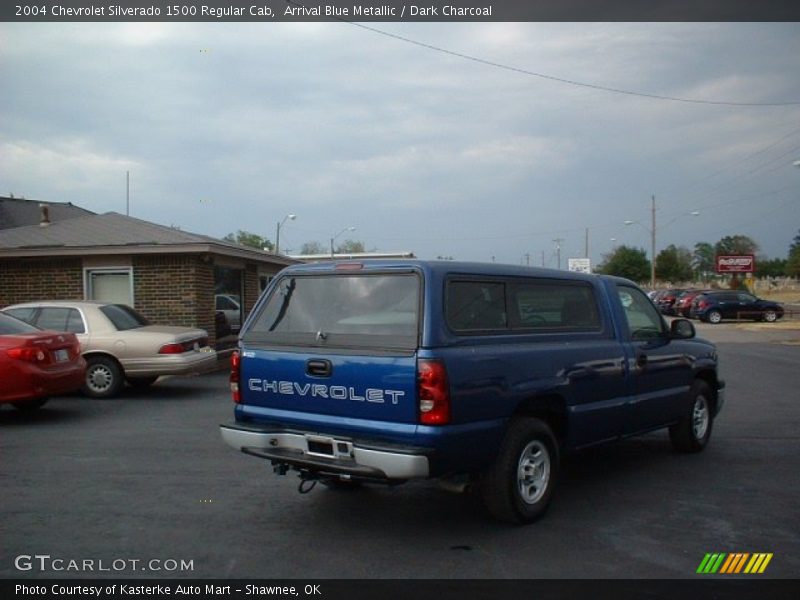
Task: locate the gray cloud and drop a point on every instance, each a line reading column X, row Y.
column 231, row 126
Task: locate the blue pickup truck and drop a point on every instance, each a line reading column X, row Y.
column 385, row 371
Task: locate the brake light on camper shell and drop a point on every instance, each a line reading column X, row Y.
column 433, row 391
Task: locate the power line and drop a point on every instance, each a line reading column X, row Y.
column 572, row 82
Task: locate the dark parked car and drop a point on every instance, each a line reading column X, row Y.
column 713, row 307
column 35, row 364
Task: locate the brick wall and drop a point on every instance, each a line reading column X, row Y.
column 175, row 290
column 32, row 279
column 168, row 289
column 251, row 291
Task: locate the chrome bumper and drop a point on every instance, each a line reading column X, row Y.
column 351, row 459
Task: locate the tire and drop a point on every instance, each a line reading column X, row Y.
column 693, row 431
column 714, row 317
column 103, row 377
column 770, row 316
column 30, row 405
column 141, row 382
column 517, row 488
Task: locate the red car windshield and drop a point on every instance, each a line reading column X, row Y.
column 12, row 326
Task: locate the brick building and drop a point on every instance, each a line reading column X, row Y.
column 171, row 276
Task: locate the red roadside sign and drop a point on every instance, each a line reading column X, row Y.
column 742, row 263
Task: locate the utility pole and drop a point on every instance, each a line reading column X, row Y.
column 557, row 242
column 127, row 193
column 586, row 245
column 527, row 259
column 653, row 246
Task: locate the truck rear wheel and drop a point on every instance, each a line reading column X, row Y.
column 517, row 488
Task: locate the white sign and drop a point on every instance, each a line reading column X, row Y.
column 579, row 265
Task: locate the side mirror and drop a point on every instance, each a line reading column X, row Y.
column 682, row 329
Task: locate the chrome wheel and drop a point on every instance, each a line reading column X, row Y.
column 770, row 316
column 533, row 472
column 714, row 317
column 700, row 417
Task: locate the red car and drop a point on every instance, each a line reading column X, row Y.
column 683, row 304
column 35, row 363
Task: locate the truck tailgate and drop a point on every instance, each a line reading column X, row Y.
column 375, row 387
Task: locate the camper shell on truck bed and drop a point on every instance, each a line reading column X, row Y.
column 383, row 371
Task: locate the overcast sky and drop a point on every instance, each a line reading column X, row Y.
column 227, row 126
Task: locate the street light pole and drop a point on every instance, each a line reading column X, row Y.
column 653, row 246
column 338, row 234
column 278, row 232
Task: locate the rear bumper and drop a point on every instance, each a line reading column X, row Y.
column 170, row 364
column 355, row 458
column 32, row 382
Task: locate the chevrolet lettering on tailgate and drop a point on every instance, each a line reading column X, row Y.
column 317, row 390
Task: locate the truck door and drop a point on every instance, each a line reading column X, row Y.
column 661, row 373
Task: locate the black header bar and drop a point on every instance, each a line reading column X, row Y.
column 267, row 11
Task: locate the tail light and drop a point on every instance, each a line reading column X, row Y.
column 702, row 304
column 171, row 349
column 433, row 392
column 181, row 347
column 236, row 362
column 27, row 354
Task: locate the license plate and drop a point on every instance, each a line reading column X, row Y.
column 61, row 355
column 330, row 447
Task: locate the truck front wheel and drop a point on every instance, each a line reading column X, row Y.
column 518, row 486
column 692, row 432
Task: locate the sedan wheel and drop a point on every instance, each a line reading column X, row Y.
column 103, row 377
column 770, row 316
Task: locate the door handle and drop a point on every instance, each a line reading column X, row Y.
column 319, row 367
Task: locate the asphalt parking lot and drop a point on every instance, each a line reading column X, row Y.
column 147, row 477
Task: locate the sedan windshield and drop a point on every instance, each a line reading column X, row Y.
column 123, row 317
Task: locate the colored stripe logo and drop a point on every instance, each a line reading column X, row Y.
column 734, row 563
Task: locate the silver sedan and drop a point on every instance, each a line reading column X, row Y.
column 119, row 344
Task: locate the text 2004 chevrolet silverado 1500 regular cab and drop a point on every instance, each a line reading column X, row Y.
column 386, row 371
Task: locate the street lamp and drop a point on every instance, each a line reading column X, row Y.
column 338, row 234
column 289, row 217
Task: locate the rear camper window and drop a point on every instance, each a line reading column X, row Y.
column 376, row 311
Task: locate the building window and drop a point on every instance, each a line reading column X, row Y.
column 110, row 285
column 263, row 282
column 228, row 283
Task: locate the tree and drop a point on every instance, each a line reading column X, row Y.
column 674, row 264
column 350, row 247
column 627, row 262
column 312, row 248
column 793, row 262
column 771, row 268
column 703, row 259
column 246, row 238
column 735, row 244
